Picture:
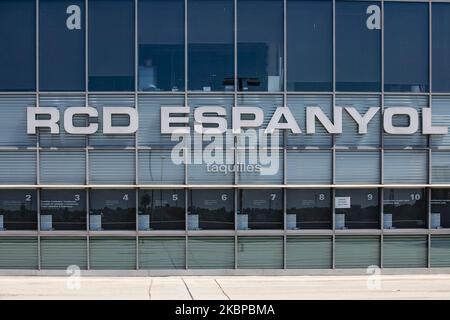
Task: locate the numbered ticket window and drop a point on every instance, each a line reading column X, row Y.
column 18, row 210
column 63, row 210
column 112, row 210
column 308, row 209
column 404, row 208
column 440, row 208
column 161, row 210
column 260, row 209
column 357, row 209
column 211, row 209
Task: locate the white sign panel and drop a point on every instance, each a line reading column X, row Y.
column 342, row 202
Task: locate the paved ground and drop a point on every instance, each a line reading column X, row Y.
column 229, row 287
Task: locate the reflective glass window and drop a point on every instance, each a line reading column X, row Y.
column 18, row 210
column 441, row 46
column 260, row 209
column 404, row 208
column 112, row 210
column 357, row 209
column 161, row 209
column 161, row 45
column 211, row 209
column 440, row 208
column 63, row 210
column 260, row 45
column 111, row 45
column 308, row 209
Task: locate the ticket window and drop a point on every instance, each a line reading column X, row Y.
column 404, row 208
column 440, row 208
column 357, row 209
column 308, row 209
column 260, row 209
column 18, row 210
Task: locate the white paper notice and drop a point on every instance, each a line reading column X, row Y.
column 342, row 202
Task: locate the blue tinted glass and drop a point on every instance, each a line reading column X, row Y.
column 441, row 47
column 61, row 45
column 18, row 45
column 161, row 45
column 260, row 45
column 358, row 46
column 406, row 47
column 111, row 45
column 210, row 39
column 309, row 45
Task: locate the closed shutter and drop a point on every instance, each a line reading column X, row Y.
column 13, row 121
column 149, row 133
column 440, row 167
column 157, row 167
column 271, row 167
column 18, row 167
column 112, row 253
column 110, row 167
column 405, row 252
column 119, row 140
column 313, row 252
column 405, row 166
column 224, row 101
column 309, row 167
column 63, row 167
column 358, row 167
column 63, row 139
column 441, row 117
column 357, row 251
column 440, row 251
column 60, row 253
column 208, row 173
column 162, row 252
column 411, row 140
column 260, row 253
column 211, row 253
column 298, row 105
column 18, row 253
column 350, row 136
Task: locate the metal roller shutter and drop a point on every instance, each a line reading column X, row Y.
column 271, row 173
column 18, row 167
column 440, row 251
column 112, row 253
column 441, row 117
column 211, row 253
column 405, row 252
column 162, row 252
column 357, row 251
column 60, row 253
column 198, row 173
column 358, row 167
column 309, row 252
column 440, row 167
column 305, row 167
column 18, row 253
column 405, row 166
column 110, row 167
column 156, row 167
column 59, row 167
column 260, row 252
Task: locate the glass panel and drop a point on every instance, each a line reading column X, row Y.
column 406, row 167
column 18, row 39
column 405, row 208
column 260, row 45
column 161, row 209
column 13, row 120
column 18, row 210
column 61, row 45
column 112, row 210
column 309, row 45
column 161, row 45
column 440, row 167
column 440, row 208
column 357, row 167
column 63, row 210
column 357, row 209
column 62, row 167
column 211, row 49
column 441, row 46
column 308, row 209
column 260, row 209
column 112, row 167
column 306, row 167
column 111, row 45
column 211, row 209
column 157, row 167
column 406, row 31
column 18, row 167
column 358, row 46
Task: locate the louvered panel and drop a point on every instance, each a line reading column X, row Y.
column 62, row 139
column 13, row 121
column 440, row 251
column 350, row 136
column 211, row 253
column 412, row 140
column 221, row 172
column 405, row 167
column 441, row 117
column 440, row 167
column 298, row 105
column 63, row 167
column 405, row 252
column 119, row 140
column 110, row 167
column 260, row 253
column 357, row 251
column 157, row 167
column 162, row 252
column 271, row 166
column 18, row 167
column 309, row 167
column 149, row 133
column 309, row 252
column 357, row 167
column 60, row 253
column 112, row 253
column 18, row 253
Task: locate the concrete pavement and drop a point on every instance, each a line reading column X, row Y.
column 227, row 287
